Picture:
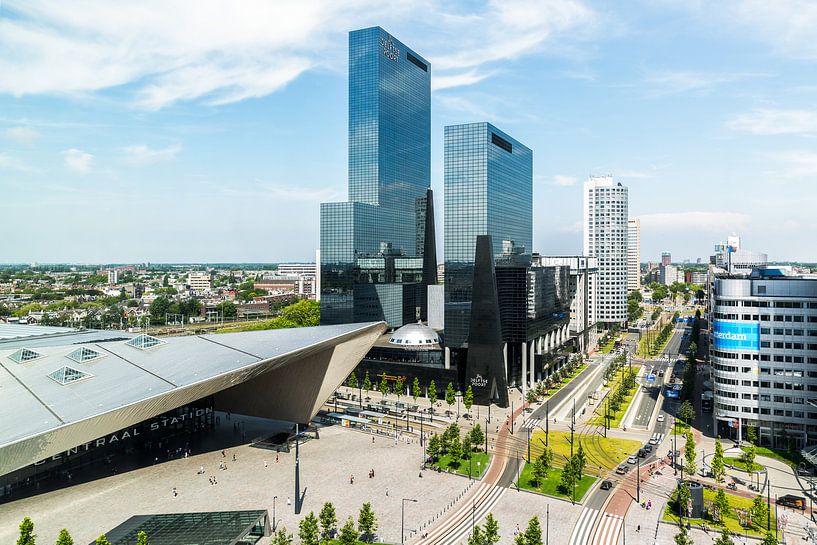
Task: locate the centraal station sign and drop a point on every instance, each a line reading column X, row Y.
column 145, row 428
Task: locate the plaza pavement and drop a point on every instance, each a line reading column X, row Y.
column 326, row 464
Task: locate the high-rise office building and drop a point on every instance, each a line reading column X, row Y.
column 371, row 250
column 633, row 254
column 488, row 191
column 666, row 258
column 763, row 352
column 605, row 238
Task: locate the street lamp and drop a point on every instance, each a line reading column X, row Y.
column 273, row 512
column 403, row 517
column 638, row 481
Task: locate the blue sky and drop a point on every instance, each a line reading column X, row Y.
column 210, row 131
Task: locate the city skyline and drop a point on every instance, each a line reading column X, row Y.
column 170, row 153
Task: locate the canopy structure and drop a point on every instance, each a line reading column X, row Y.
column 209, row 528
column 69, row 390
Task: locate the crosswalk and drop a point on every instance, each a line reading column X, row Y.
column 532, row 423
column 584, row 526
column 609, row 530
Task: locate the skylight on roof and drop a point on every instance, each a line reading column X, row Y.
column 144, row 342
column 84, row 354
column 66, row 375
column 23, row 355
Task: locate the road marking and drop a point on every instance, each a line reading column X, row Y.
column 608, row 531
column 581, row 532
column 532, row 423
column 462, row 530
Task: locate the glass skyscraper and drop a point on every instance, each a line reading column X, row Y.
column 488, row 191
column 372, row 245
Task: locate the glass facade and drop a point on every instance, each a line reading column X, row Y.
column 488, row 191
column 374, row 238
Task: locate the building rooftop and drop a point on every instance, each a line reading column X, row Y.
column 208, row 528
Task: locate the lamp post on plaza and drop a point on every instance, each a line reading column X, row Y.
column 403, row 518
column 273, row 512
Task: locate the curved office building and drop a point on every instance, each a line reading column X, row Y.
column 763, row 348
column 67, row 394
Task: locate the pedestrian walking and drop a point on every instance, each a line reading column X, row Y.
column 289, row 501
column 387, row 491
column 265, row 463
column 233, row 456
column 276, row 457
column 174, row 492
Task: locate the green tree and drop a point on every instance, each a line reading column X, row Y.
column 748, row 458
column 721, row 501
column 689, row 454
column 490, row 532
column 467, row 446
column 769, row 539
column 304, row 313
column 760, row 510
column 540, row 472
column 468, row 399
column 351, row 382
column 546, row 459
column 367, row 383
column 102, row 540
column 434, row 447
column 450, row 395
column 348, row 533
column 477, row 437
column 328, row 520
column 367, row 522
column 282, row 537
column 717, row 465
column 27, row 536
column 415, row 389
column 142, row 539
column 725, row 538
column 476, row 537
column 455, row 451
column 682, row 495
column 384, row 387
column 751, row 434
column 432, row 394
column 533, row 533
column 308, row 530
column 580, row 462
column 227, row 309
column 398, row 387
column 568, row 481
column 159, row 309
column 686, row 413
column 65, row 538
column 682, row 537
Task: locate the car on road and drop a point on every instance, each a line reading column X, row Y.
column 622, row 469
column 606, row 485
column 660, row 417
column 790, row 500
column 661, row 373
column 642, row 453
column 633, row 459
column 648, row 448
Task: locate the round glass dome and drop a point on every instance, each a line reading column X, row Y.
column 415, row 336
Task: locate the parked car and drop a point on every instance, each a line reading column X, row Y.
column 648, row 448
column 606, row 485
column 642, row 453
column 660, row 417
column 632, row 459
column 622, row 469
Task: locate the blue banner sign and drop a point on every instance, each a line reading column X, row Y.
column 729, row 335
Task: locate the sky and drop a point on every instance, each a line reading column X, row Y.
column 210, row 131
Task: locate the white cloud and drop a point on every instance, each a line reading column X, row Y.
column 143, row 155
column 771, row 122
column 22, row 135
column 8, row 162
column 794, row 163
column 674, row 222
column 788, row 25
column 220, row 52
column 78, row 160
column 558, row 179
column 676, row 82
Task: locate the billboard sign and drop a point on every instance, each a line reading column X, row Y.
column 730, row 335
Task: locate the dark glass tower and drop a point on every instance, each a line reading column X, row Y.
column 488, row 191
column 372, row 251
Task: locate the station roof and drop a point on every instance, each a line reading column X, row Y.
column 98, row 383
